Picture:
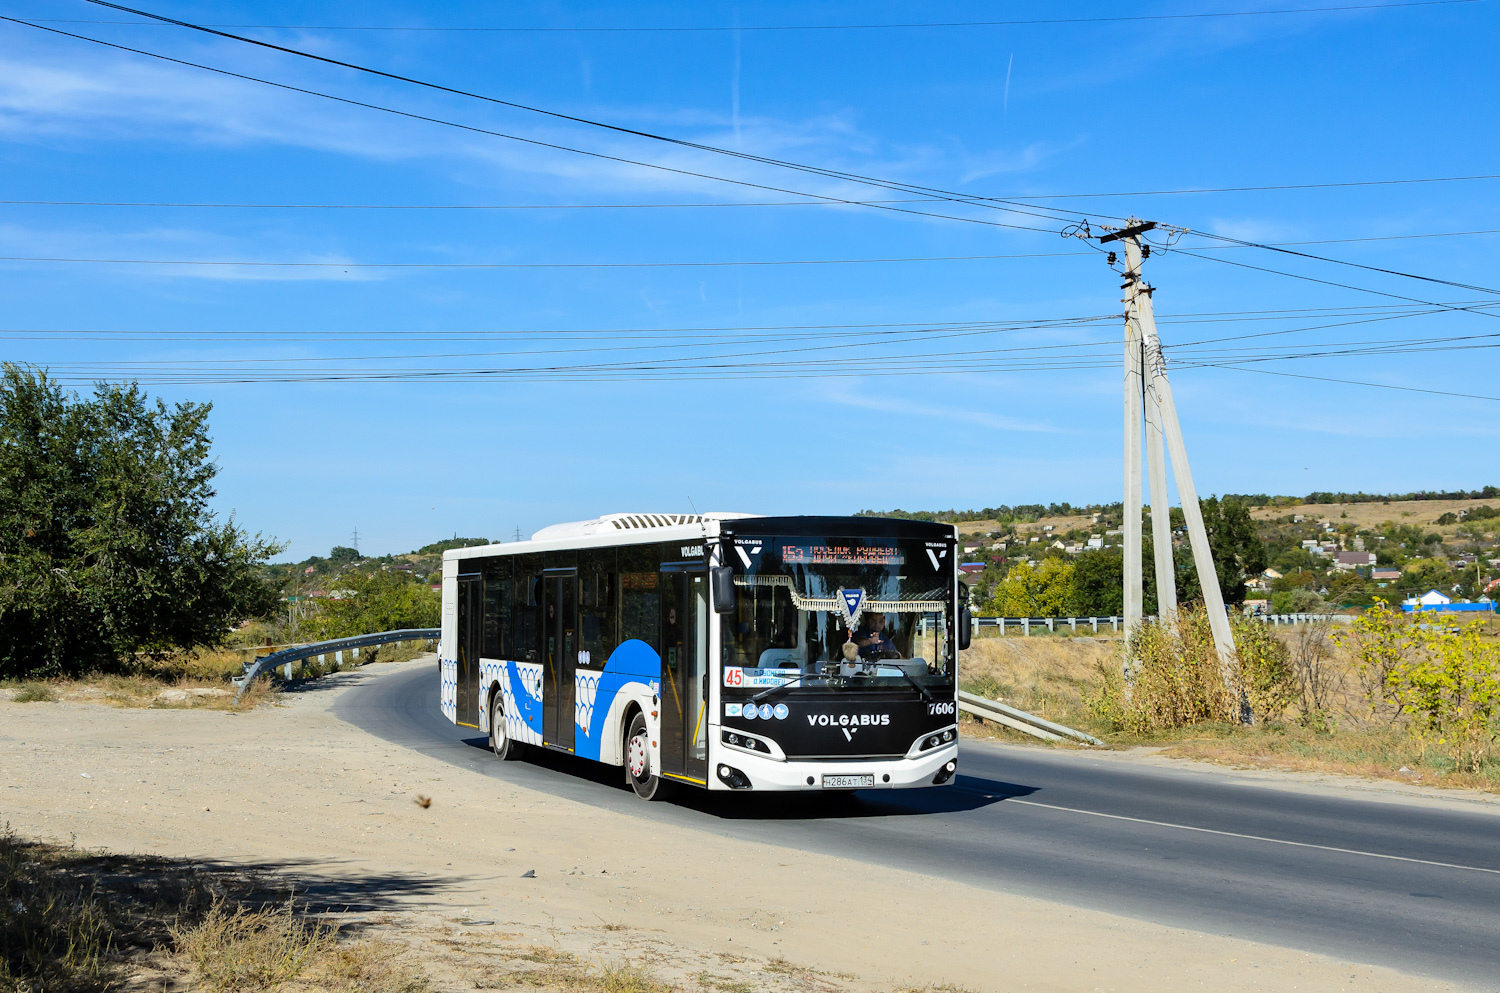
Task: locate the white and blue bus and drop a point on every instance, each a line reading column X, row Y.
column 724, row 651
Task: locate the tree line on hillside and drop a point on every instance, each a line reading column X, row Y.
column 1091, row 583
column 1003, row 513
column 1294, row 563
column 1033, row 511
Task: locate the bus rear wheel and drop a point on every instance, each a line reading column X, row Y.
column 500, row 741
column 638, row 771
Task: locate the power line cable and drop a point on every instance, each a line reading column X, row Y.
column 1326, row 282
column 1252, row 189
column 1355, row 382
column 573, row 118
column 1354, row 265
column 544, row 144
column 669, row 29
column 261, row 263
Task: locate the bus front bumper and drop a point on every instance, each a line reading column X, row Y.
column 768, row 774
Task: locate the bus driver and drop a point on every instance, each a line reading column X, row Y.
column 872, row 639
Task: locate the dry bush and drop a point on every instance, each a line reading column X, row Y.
column 1268, row 676
column 372, row 965
column 34, row 692
column 233, row 949
column 1175, row 680
column 625, row 976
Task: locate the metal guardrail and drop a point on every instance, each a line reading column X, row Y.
column 1117, row 622
column 336, row 646
column 1050, row 623
column 1020, row 720
column 1303, row 618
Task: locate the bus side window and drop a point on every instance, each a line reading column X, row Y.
column 640, row 594
column 496, row 608
column 597, row 607
column 525, row 603
column 640, row 607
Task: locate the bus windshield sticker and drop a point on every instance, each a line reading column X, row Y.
column 733, row 709
column 737, row 676
column 853, row 602
column 747, row 548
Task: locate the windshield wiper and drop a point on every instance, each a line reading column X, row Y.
column 911, row 679
column 757, row 698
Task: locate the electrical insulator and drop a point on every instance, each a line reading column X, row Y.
column 1145, row 251
column 1111, row 258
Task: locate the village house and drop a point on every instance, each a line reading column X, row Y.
column 1353, row 561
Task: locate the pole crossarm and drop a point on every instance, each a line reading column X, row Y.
column 255, row 668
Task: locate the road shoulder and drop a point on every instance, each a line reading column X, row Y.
column 294, row 786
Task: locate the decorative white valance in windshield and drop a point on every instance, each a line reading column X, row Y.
column 931, row 600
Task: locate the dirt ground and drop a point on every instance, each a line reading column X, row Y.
column 292, row 787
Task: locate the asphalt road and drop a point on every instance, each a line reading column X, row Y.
column 1413, row 886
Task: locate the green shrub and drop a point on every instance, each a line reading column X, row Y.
column 1441, row 681
column 35, row 693
column 1175, row 680
column 1269, row 678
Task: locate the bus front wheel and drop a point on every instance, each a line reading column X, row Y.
column 500, row 741
column 638, row 771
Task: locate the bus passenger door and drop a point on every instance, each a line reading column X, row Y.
column 470, row 615
column 559, row 657
column 684, row 703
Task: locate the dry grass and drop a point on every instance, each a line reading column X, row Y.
column 1047, row 676
column 74, row 921
column 114, row 690
column 234, row 949
column 193, row 681
column 1339, row 733
column 1423, row 513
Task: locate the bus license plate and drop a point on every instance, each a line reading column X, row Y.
column 848, row 782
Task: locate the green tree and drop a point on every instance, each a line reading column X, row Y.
column 343, row 555
column 366, row 602
column 1099, row 584
column 108, row 548
column 1237, row 550
column 1043, row 591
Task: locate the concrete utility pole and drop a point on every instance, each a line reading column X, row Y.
column 1148, row 393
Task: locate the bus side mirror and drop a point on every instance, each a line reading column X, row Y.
column 722, row 580
column 965, row 617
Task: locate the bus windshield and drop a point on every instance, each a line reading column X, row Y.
column 839, row 613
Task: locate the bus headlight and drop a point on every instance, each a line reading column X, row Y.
column 741, row 740
column 937, row 739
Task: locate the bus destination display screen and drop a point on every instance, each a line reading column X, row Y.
column 841, row 554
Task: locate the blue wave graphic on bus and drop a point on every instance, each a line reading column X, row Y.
column 595, row 693
column 526, row 699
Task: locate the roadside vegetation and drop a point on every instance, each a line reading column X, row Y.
column 121, row 585
column 75, row 921
column 1409, row 697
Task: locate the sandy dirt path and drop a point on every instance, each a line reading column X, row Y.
column 291, row 785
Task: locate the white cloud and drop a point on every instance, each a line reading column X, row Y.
column 892, row 405
column 168, row 245
column 51, row 94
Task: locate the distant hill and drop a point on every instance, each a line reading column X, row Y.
column 439, row 547
column 1029, row 512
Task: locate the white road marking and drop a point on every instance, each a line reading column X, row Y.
column 1252, row 837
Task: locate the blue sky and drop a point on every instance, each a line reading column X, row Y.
column 1019, row 110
